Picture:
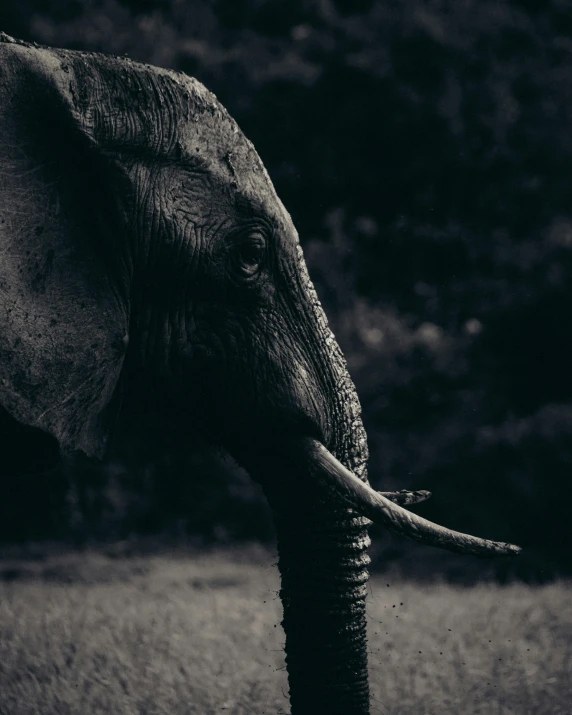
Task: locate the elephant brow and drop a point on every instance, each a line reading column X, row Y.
column 247, row 209
column 195, row 163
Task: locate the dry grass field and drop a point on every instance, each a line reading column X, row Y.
column 96, row 632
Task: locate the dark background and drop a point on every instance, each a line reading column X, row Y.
column 424, row 150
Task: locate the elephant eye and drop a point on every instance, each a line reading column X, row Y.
column 248, row 255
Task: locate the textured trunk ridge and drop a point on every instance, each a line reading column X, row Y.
column 323, row 565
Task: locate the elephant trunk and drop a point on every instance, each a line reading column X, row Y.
column 323, row 567
column 322, row 542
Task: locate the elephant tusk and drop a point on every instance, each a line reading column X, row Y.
column 405, row 497
column 332, row 474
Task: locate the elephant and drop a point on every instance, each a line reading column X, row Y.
column 146, row 263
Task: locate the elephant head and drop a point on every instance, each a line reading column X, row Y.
column 146, row 260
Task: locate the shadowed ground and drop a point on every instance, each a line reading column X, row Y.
column 105, row 632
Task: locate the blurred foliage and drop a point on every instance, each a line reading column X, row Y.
column 424, row 151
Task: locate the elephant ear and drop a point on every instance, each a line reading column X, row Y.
column 64, row 278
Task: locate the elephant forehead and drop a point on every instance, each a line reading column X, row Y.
column 207, row 135
column 130, row 107
column 207, row 129
column 126, row 106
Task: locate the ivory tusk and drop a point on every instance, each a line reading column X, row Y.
column 332, row 474
column 405, row 497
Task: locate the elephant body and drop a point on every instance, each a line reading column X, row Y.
column 122, row 186
column 147, row 262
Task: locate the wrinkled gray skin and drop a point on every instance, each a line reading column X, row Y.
column 145, row 258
